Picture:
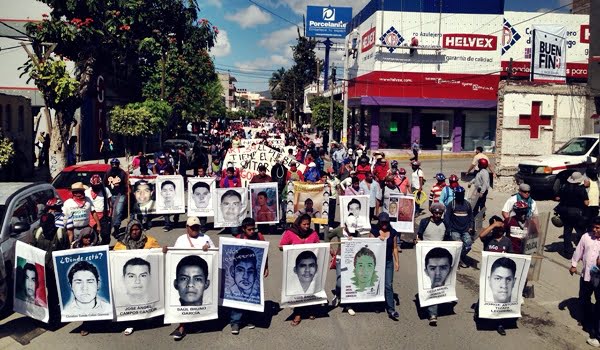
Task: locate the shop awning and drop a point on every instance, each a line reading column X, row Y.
column 420, row 102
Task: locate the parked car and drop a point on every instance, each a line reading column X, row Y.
column 75, row 173
column 21, row 205
column 545, row 174
column 174, row 144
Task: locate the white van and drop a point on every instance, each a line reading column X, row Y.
column 545, row 174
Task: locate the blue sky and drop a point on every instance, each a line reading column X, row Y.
column 253, row 42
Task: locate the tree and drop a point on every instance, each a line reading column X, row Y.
column 275, row 82
column 320, row 107
column 7, row 151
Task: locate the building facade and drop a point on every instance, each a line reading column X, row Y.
column 418, row 63
column 16, row 123
column 229, row 89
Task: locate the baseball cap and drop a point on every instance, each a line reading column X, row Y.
column 384, row 217
column 312, row 165
column 524, row 187
column 192, row 220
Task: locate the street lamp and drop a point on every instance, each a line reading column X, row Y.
column 350, row 46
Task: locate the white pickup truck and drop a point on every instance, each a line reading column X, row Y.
column 545, row 174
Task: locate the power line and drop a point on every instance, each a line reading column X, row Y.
column 273, row 13
column 250, row 69
column 534, row 17
column 15, row 29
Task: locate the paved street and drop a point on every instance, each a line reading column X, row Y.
column 543, row 325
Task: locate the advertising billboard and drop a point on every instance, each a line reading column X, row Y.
column 327, row 21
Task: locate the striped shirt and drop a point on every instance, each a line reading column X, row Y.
column 59, row 221
column 436, row 191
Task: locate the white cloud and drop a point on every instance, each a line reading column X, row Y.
column 277, row 40
column 299, row 6
column 249, row 17
column 271, row 62
column 223, row 46
column 215, row 3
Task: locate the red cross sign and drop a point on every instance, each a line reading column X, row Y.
column 535, row 120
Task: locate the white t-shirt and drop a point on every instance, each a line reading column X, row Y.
column 79, row 214
column 476, row 159
column 510, row 202
column 414, row 178
column 98, row 203
column 183, row 241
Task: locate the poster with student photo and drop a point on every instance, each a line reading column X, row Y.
column 362, row 270
column 30, row 292
column 503, row 277
column 144, row 194
column 264, row 198
column 404, row 212
column 354, row 212
column 137, row 280
column 437, row 263
column 242, row 266
column 191, row 285
column 170, row 194
column 200, row 195
column 304, row 274
column 229, row 206
column 308, row 198
column 83, row 283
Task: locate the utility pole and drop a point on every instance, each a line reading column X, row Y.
column 318, row 74
column 331, row 90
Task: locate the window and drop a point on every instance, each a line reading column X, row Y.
column 21, row 121
column 39, row 200
column 8, row 118
column 22, row 212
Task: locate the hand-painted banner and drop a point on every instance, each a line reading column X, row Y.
column 437, row 263
column 363, row 270
column 201, row 191
column 30, row 293
column 170, row 194
column 264, row 200
column 279, row 143
column 304, row 274
column 230, row 206
column 144, row 194
column 138, row 286
column 503, row 277
column 402, row 208
column 308, row 198
column 83, row 281
column 191, row 285
column 242, row 265
column 267, row 156
column 237, row 157
column 354, row 212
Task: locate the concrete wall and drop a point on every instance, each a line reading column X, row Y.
column 16, row 123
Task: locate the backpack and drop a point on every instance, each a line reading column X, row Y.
column 59, row 233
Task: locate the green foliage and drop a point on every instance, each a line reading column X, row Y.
column 140, row 118
column 7, row 151
column 240, row 114
column 320, row 107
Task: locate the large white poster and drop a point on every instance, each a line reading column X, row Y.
column 191, row 285
column 230, row 206
column 437, row 263
column 267, row 156
column 402, row 209
column 242, row 265
column 549, row 53
column 200, row 196
column 501, row 284
column 83, row 282
column 363, row 270
column 304, row 274
column 170, row 194
column 144, row 194
column 138, row 286
column 354, row 212
column 264, row 202
column 30, row 292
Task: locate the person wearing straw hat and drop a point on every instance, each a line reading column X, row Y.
column 573, row 200
column 79, row 209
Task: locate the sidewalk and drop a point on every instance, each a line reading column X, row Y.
column 406, row 154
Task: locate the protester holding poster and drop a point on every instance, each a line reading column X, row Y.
column 354, row 212
column 264, row 199
column 30, row 294
column 200, row 196
column 304, row 270
column 385, row 232
column 230, row 206
column 308, row 199
column 404, row 213
column 144, row 197
column 243, row 263
column 362, row 270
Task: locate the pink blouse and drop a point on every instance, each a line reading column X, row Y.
column 290, row 237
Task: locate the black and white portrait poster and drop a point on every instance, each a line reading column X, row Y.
column 404, row 213
column 242, row 267
column 30, row 293
column 304, row 273
column 200, row 195
column 354, row 212
column 264, row 199
column 308, row 198
column 137, row 280
column 437, row 263
column 191, row 285
column 83, row 282
column 144, row 194
column 363, row 270
column 170, row 194
column 230, row 206
column 501, row 284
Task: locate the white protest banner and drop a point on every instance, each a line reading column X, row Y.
column 404, row 212
column 304, row 274
column 30, row 292
column 191, row 285
column 362, row 270
column 200, row 196
column 138, row 286
column 83, row 282
column 268, row 157
column 437, row 263
column 264, row 200
column 170, row 194
column 354, row 213
column 237, row 157
column 242, row 265
column 549, row 53
column 503, row 277
column 230, row 206
column 247, row 143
